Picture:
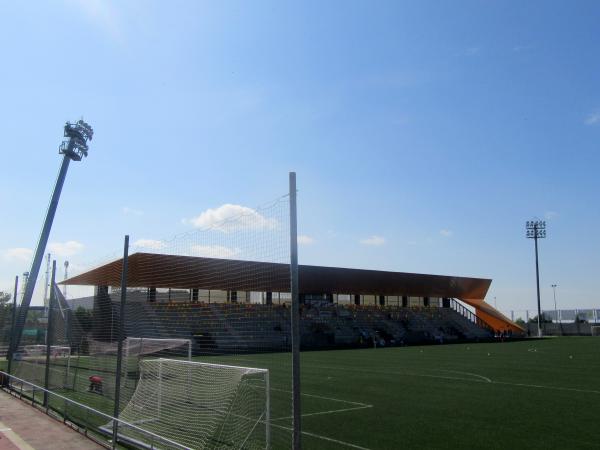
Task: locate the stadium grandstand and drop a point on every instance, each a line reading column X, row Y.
column 248, row 304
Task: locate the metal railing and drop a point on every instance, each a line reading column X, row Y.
column 57, row 406
column 469, row 315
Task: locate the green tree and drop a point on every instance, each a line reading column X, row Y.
column 543, row 317
column 4, row 299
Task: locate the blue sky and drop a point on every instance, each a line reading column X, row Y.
column 424, row 134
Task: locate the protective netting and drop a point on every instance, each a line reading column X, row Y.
column 29, row 363
column 218, row 295
column 102, row 357
column 199, row 405
column 212, row 302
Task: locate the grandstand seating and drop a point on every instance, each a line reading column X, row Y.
column 218, row 328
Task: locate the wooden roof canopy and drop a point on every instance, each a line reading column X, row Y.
column 189, row 272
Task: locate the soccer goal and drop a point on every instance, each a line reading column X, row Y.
column 102, row 361
column 29, row 364
column 595, row 330
column 198, row 406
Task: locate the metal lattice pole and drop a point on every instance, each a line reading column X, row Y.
column 75, row 148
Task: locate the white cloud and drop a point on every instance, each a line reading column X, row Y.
column 214, row 251
column 550, row 215
column 131, row 211
column 373, row 240
column 305, row 240
column 446, row 233
column 593, row 119
column 68, row 248
column 21, row 254
column 228, row 217
column 152, row 244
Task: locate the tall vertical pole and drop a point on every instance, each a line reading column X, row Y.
column 66, row 276
column 11, row 348
column 49, row 332
column 537, row 279
column 121, row 338
column 41, row 248
column 297, row 445
column 47, row 283
column 555, row 308
column 558, row 319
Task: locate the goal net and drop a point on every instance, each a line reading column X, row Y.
column 102, row 361
column 198, row 405
column 595, row 330
column 30, row 365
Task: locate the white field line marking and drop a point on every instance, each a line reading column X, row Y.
column 486, row 379
column 556, row 388
column 333, row 411
column 358, row 405
column 474, row 380
column 409, row 374
column 325, row 438
column 323, row 398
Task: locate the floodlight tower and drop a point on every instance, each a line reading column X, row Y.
column 74, row 148
column 536, row 229
column 66, row 276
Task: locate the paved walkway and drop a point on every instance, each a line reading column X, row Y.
column 25, row 428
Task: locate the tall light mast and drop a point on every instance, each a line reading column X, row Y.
column 74, row 148
column 66, row 276
column 536, row 229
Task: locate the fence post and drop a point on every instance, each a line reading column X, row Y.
column 120, row 337
column 12, row 327
column 49, row 331
column 295, row 315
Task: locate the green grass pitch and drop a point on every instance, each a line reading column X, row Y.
column 535, row 394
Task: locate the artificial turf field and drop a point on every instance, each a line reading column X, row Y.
column 535, row 394
column 528, row 394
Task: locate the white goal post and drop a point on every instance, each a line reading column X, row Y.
column 198, row 405
column 139, row 346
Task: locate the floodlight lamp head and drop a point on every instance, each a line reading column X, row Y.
column 535, row 229
column 78, row 135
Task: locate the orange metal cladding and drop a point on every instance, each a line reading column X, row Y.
column 189, row 272
column 493, row 317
